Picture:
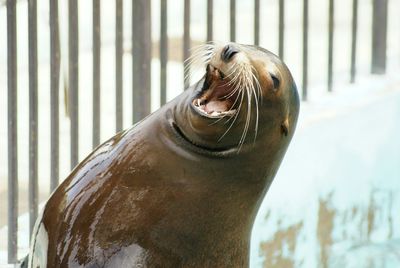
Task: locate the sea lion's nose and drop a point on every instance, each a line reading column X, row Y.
column 228, row 52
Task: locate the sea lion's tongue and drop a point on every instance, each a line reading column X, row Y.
column 216, row 106
column 218, row 97
column 215, row 101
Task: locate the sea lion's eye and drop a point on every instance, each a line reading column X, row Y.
column 276, row 81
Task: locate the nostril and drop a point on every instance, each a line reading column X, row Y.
column 228, row 52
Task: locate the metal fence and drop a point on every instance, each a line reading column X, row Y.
column 141, row 74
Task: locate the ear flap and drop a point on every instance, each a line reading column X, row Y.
column 285, row 127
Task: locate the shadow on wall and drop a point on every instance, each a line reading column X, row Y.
column 334, row 202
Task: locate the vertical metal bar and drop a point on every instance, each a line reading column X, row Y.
column 33, row 114
column 12, row 131
column 141, row 57
column 119, row 74
column 233, row 20
column 163, row 52
column 330, row 44
column 257, row 22
column 281, row 27
column 73, row 79
column 96, row 72
column 305, row 50
column 210, row 15
column 379, row 36
column 54, row 94
column 186, row 43
column 354, row 41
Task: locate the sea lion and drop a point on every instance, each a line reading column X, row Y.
column 182, row 187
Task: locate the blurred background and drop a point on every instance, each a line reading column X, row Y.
column 73, row 73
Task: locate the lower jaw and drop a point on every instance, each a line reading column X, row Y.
column 216, row 114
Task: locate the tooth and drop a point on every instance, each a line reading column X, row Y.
column 230, row 112
column 198, row 102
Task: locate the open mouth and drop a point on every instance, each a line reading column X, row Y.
column 218, row 95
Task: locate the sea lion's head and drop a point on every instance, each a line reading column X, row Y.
column 247, row 97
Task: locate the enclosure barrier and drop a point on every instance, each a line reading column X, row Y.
column 141, row 66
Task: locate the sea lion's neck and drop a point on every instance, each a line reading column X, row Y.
column 220, row 191
column 218, row 201
column 212, row 219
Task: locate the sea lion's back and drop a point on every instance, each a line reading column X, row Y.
column 99, row 216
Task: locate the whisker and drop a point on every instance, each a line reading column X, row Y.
column 247, row 123
column 249, row 92
column 257, row 113
column 235, row 118
column 201, row 56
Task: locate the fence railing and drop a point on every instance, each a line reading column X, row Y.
column 141, row 48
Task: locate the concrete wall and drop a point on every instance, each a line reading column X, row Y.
column 335, row 201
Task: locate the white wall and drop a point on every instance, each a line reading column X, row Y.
column 335, row 199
